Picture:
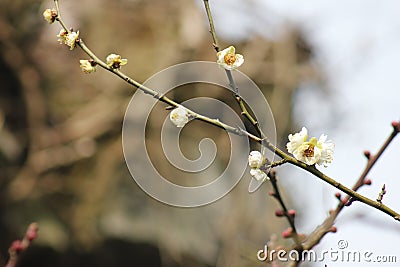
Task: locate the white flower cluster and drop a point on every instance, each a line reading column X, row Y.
column 313, row 151
column 256, row 160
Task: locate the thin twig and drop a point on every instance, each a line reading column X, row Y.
column 381, row 194
column 212, row 28
column 289, row 217
column 232, row 83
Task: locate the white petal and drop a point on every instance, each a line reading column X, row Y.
column 239, row 61
column 296, row 140
column 322, row 138
column 259, row 175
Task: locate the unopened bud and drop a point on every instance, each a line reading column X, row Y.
column 17, row 246
column 279, row 213
column 367, row 182
column 292, row 213
column 287, row 233
column 396, row 126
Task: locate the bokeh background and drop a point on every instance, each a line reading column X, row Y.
column 330, row 66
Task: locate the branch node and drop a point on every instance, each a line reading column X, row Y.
column 348, row 202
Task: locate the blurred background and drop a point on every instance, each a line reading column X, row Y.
column 328, row 66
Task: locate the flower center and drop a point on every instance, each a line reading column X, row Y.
column 309, row 152
column 230, row 59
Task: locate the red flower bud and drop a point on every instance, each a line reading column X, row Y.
column 32, row 231
column 17, row 246
column 279, row 213
column 287, row 233
column 367, row 182
column 292, row 213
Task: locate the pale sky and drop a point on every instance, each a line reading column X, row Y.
column 357, row 44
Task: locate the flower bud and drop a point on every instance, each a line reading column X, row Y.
column 368, row 182
column 179, row 116
column 255, row 159
column 367, row 154
column 50, row 15
column 279, row 213
column 396, row 126
column 17, row 246
column 287, row 233
column 333, row 229
column 292, row 213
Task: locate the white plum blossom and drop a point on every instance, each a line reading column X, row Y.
column 259, row 175
column 50, row 15
column 87, row 66
column 255, row 159
column 71, row 39
column 228, row 59
column 179, row 116
column 115, row 61
column 313, row 151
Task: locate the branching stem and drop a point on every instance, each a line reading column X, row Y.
column 262, row 140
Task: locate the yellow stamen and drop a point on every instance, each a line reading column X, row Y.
column 230, row 59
